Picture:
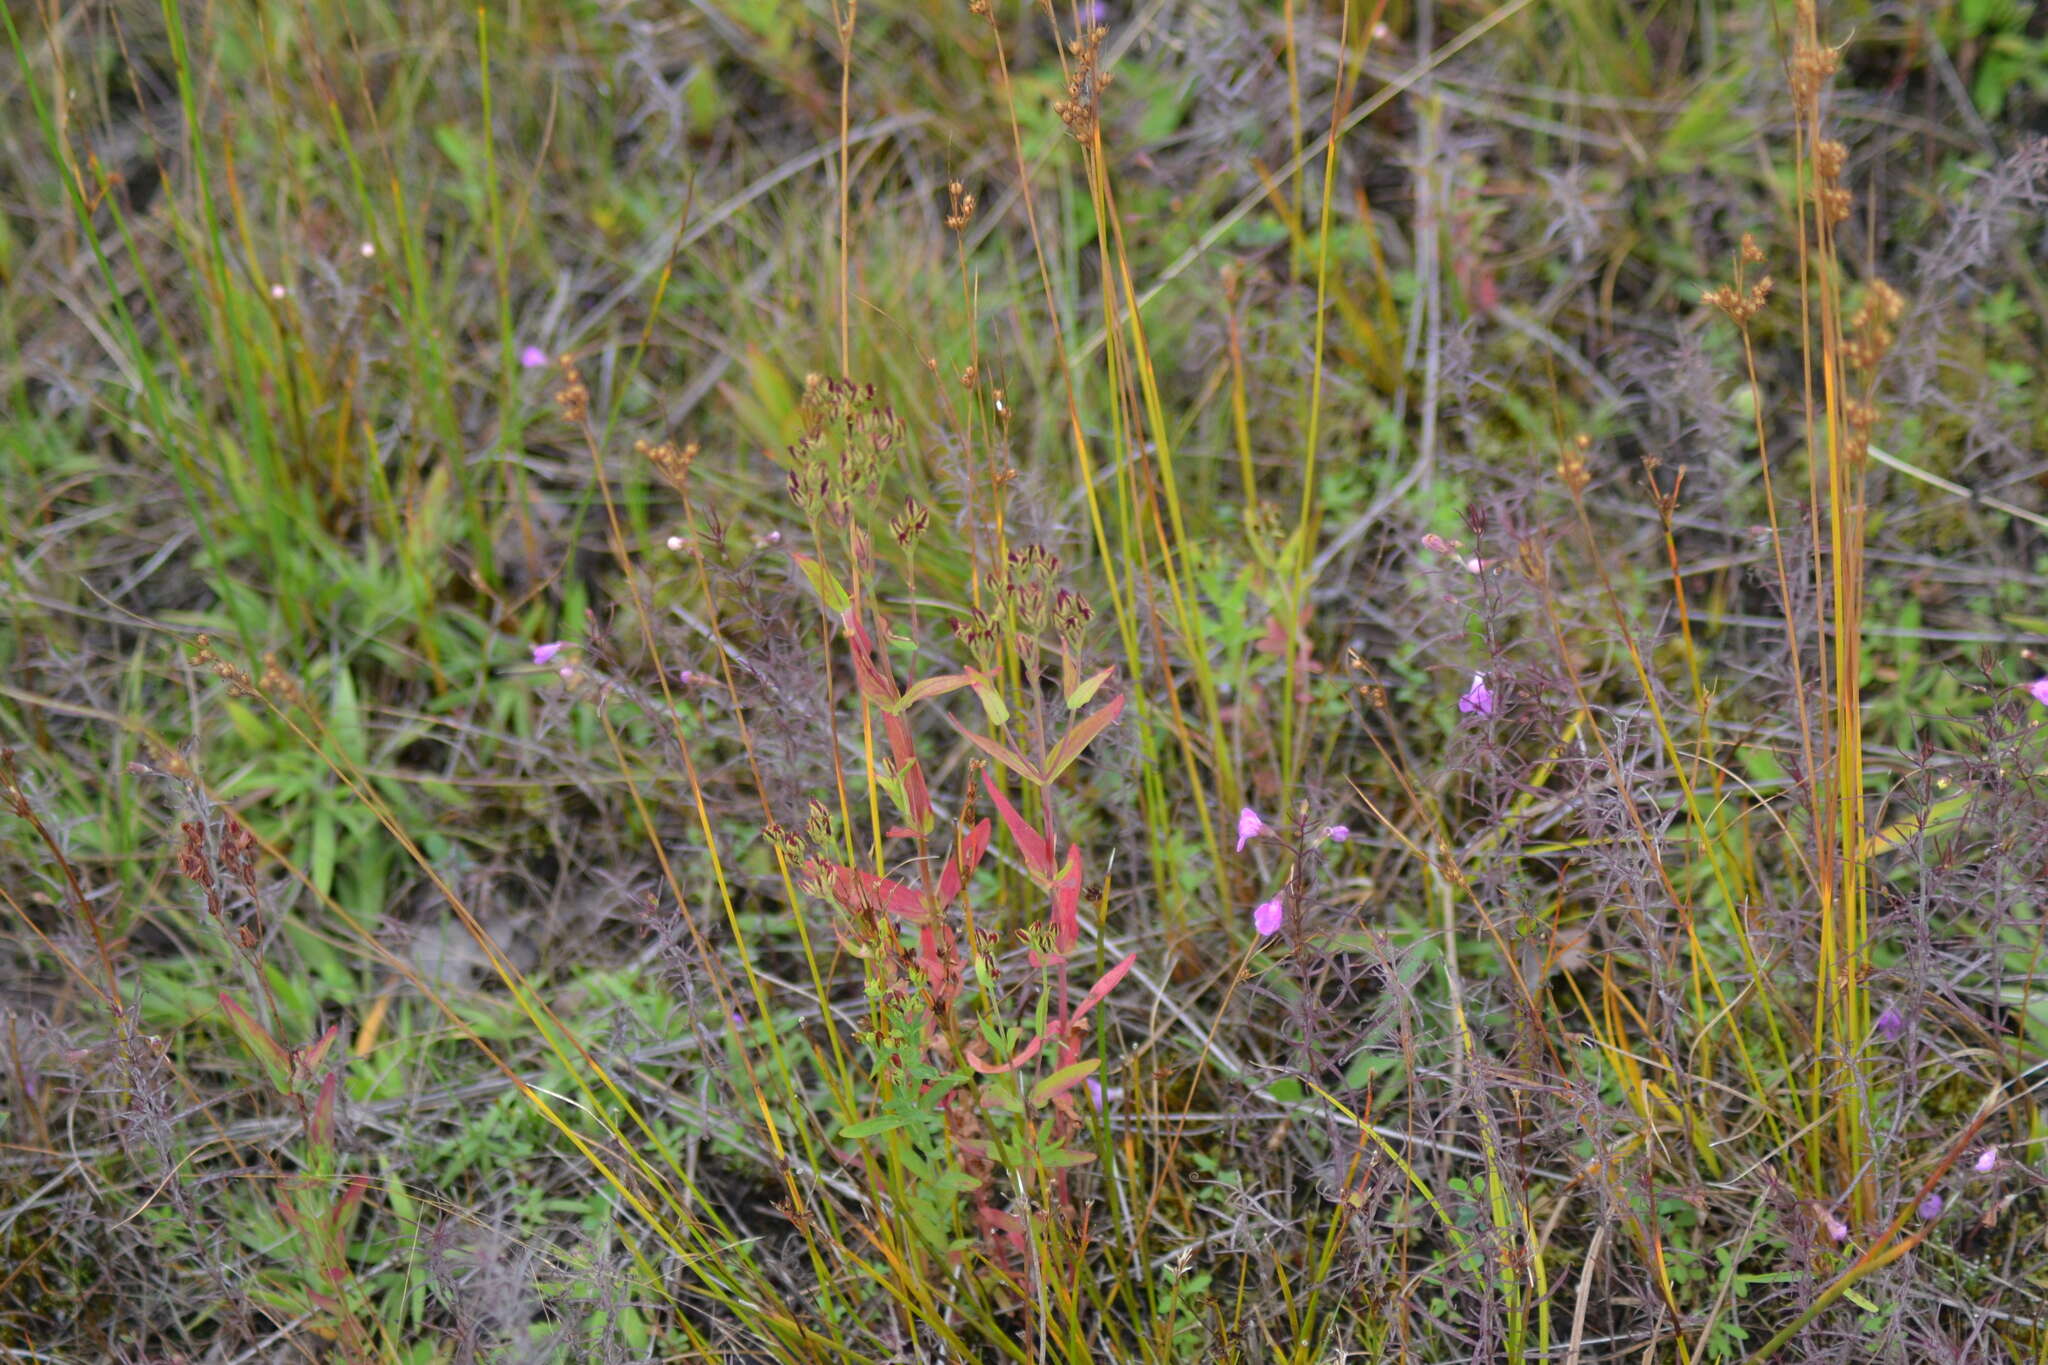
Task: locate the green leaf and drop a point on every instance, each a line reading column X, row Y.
column 867, row 1128
column 1057, row 1157
column 1085, row 690
column 992, row 704
column 1940, row 814
column 824, row 584
column 1063, row 1080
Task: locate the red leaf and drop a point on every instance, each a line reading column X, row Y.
column 917, row 800
column 875, row 684
column 850, row 885
column 1014, row 762
column 1066, row 904
column 988, row 1069
column 1080, row 737
column 1033, row 847
column 320, row 1124
column 1102, row 988
column 935, row 687
column 275, row 1057
column 974, row 845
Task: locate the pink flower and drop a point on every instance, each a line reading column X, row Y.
column 1094, row 1092
column 544, row 654
column 1838, row 1231
column 1338, row 834
column 1930, row 1208
column 1891, row 1024
column 533, row 358
column 1249, row 827
column 2038, row 690
column 1266, row 916
column 1986, row 1162
column 1478, row 699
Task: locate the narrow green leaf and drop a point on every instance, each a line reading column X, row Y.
column 867, row 1128
column 824, row 584
column 1063, row 1080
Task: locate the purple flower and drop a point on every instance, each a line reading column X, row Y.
column 1838, row 1231
column 1478, row 699
column 1930, row 1208
column 1338, row 834
column 533, row 358
column 1249, row 827
column 1891, row 1024
column 1094, row 1092
column 2038, row 690
column 544, row 654
column 1266, row 916
column 1986, row 1162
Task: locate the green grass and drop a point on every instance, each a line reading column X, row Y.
column 653, row 1032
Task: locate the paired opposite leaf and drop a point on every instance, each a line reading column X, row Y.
column 1079, row 738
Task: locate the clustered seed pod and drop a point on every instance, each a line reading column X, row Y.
column 1812, row 67
column 911, row 523
column 1869, row 337
column 238, row 680
column 785, row 840
column 1742, row 300
column 573, row 398
column 978, row 635
column 1070, row 617
column 671, row 461
column 1027, row 584
column 847, row 433
column 818, row 824
column 961, row 206
column 1830, row 158
column 1081, row 110
column 1571, row 465
column 809, row 487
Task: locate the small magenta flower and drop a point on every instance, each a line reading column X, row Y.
column 2038, row 690
column 1266, row 916
column 1930, row 1208
column 1891, row 1024
column 1338, row 834
column 1838, row 1231
column 543, row 655
column 1478, row 699
column 1094, row 1092
column 1250, row 827
column 1986, row 1162
column 533, row 358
